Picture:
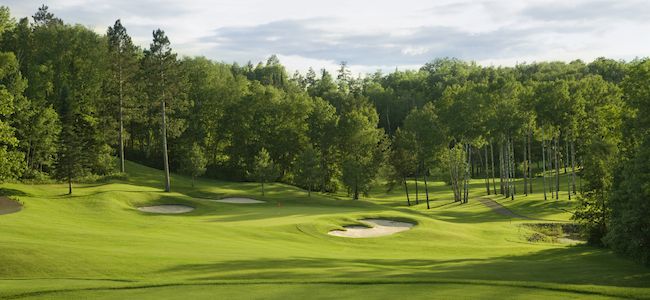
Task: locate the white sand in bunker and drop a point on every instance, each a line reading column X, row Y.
column 381, row 228
column 235, row 200
column 166, row 209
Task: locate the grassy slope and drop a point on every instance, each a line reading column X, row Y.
column 98, row 235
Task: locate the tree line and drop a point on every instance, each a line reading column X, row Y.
column 73, row 99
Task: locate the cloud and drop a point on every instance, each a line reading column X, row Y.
column 418, row 46
column 383, row 35
column 590, row 11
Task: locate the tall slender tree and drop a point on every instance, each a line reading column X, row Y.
column 71, row 159
column 123, row 57
column 169, row 86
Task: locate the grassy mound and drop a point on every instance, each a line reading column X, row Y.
column 95, row 242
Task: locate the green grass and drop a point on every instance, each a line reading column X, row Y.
column 96, row 244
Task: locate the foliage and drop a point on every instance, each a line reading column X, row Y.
column 72, row 160
column 194, row 162
column 308, row 168
column 263, row 169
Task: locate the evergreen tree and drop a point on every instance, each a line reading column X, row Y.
column 194, row 162
column 123, row 67
column 263, row 169
column 71, row 162
column 308, row 168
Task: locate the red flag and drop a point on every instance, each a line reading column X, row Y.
column 278, row 205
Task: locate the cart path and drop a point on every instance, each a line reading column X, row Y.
column 8, row 206
column 503, row 210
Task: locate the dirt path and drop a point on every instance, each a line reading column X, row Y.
column 503, row 210
column 8, row 206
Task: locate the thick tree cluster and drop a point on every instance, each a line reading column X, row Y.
column 71, row 100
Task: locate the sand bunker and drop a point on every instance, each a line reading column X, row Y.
column 9, row 206
column 166, row 209
column 382, row 227
column 235, row 200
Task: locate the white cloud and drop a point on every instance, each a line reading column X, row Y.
column 372, row 35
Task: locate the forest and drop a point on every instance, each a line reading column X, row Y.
column 72, row 100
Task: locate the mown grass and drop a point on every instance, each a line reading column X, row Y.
column 96, row 244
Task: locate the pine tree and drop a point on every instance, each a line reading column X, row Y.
column 71, row 157
column 264, row 169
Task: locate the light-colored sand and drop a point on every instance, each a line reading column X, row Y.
column 381, row 228
column 235, row 200
column 166, row 209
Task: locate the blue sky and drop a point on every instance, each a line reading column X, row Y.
column 372, row 35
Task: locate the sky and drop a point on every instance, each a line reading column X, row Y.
column 371, row 35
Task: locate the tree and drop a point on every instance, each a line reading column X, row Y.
column 322, row 124
column 344, row 73
column 361, row 144
column 308, row 168
column 169, row 87
column 123, row 56
column 629, row 213
column 402, row 160
column 71, row 159
column 44, row 18
column 194, row 162
column 11, row 160
column 263, row 169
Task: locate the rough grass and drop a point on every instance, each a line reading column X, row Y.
column 96, row 244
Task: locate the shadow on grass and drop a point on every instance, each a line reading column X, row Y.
column 14, row 192
column 571, row 265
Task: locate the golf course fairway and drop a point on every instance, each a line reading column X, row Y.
column 96, row 244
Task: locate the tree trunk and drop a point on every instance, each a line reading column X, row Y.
column 322, row 159
column 573, row 163
column 557, row 169
column 525, row 167
column 262, row 188
column 511, row 162
column 406, row 187
column 530, row 160
column 451, row 174
column 566, row 165
column 514, row 165
column 164, row 144
column 454, row 173
column 544, row 161
column 484, row 163
column 506, row 165
column 494, row 184
column 456, row 167
column 309, row 193
column 426, row 188
column 388, row 121
column 148, row 147
column 192, row 180
column 416, row 185
column 469, row 172
column 69, row 184
column 164, row 127
column 121, row 144
column 502, row 169
column 551, row 168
